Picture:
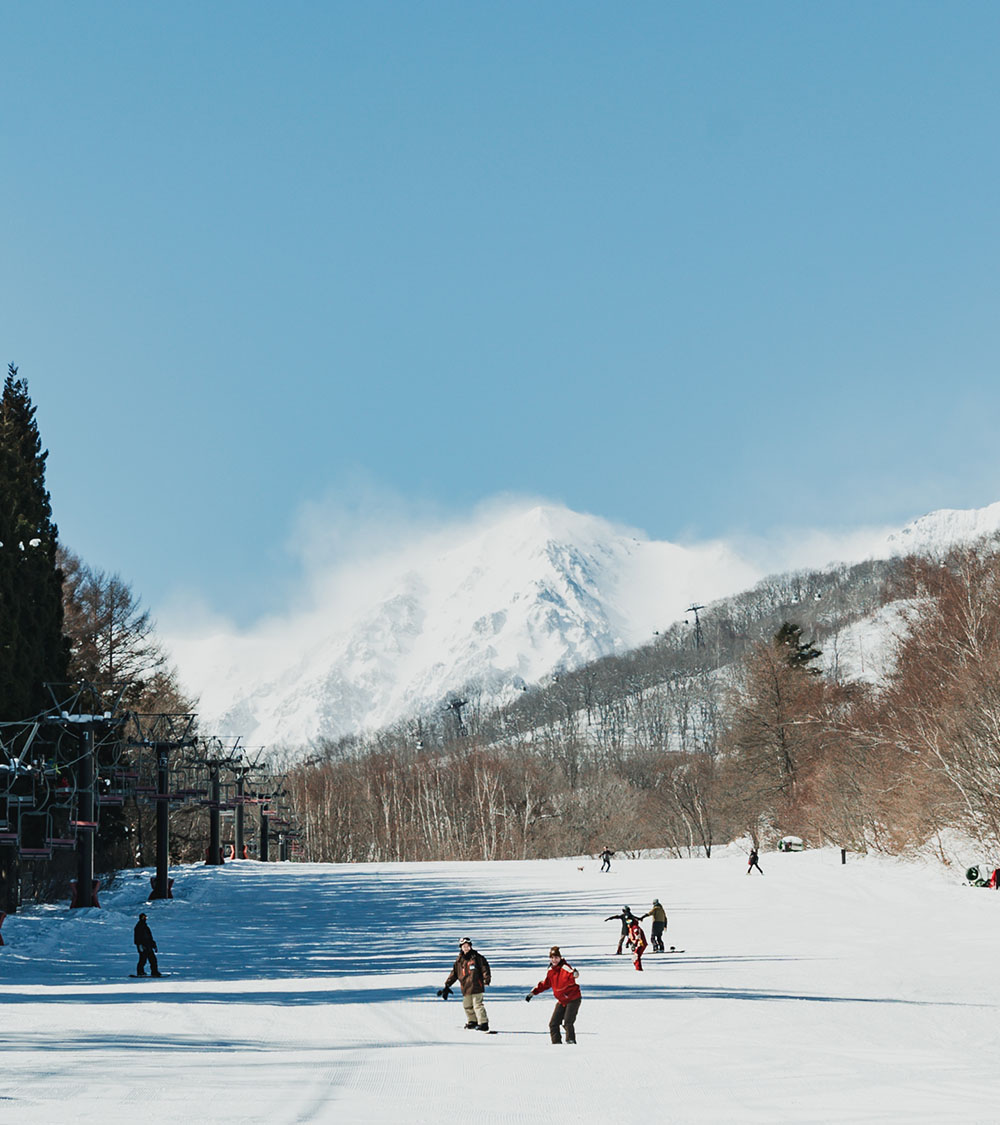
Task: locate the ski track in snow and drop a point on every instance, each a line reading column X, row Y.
column 306, row 993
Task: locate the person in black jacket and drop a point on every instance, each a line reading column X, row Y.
column 626, row 918
column 143, row 938
column 472, row 971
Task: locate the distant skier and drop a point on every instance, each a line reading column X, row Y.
column 606, row 858
column 561, row 978
column 659, row 916
column 753, row 862
column 472, row 971
column 143, row 938
column 637, row 943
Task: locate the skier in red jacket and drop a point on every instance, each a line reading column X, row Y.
column 561, row 978
column 637, row 942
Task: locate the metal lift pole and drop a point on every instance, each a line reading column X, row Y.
column 214, row 818
column 161, row 884
column 85, row 806
column 238, row 826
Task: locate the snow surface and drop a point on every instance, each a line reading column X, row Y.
column 866, row 650
column 501, row 602
column 820, row 992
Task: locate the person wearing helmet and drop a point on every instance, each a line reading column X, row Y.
column 472, row 972
column 659, row 916
column 625, row 918
column 561, row 978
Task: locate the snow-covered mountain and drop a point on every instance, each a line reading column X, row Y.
column 941, row 530
column 489, row 607
column 494, row 606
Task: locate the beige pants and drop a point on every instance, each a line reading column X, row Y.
column 475, row 1009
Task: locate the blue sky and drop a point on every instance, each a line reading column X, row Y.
column 706, row 269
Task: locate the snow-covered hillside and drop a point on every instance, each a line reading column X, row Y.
column 496, row 607
column 491, row 607
column 818, row 992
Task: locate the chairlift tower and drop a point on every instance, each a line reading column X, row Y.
column 455, row 706
column 163, row 733
column 693, row 608
column 242, row 771
column 86, row 709
column 215, row 755
column 275, row 790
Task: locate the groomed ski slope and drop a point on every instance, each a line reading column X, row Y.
column 306, row 993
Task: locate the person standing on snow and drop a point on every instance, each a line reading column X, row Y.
column 659, row 916
column 472, row 972
column 638, row 943
column 561, row 978
column 626, row 917
column 753, row 862
column 606, row 858
column 143, row 938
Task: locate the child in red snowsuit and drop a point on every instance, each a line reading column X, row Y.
column 637, row 942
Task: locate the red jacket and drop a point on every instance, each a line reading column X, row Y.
column 561, row 980
column 637, row 939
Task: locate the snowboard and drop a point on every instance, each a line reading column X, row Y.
column 146, row 976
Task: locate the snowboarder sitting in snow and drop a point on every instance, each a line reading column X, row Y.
column 659, row 916
column 637, row 942
column 625, row 918
column 143, row 938
column 472, row 971
column 561, row 978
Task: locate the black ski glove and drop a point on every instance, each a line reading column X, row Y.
column 529, row 996
column 444, row 993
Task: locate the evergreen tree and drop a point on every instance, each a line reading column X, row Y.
column 33, row 649
column 798, row 653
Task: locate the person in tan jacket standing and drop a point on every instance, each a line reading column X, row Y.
column 472, row 972
column 659, row 916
